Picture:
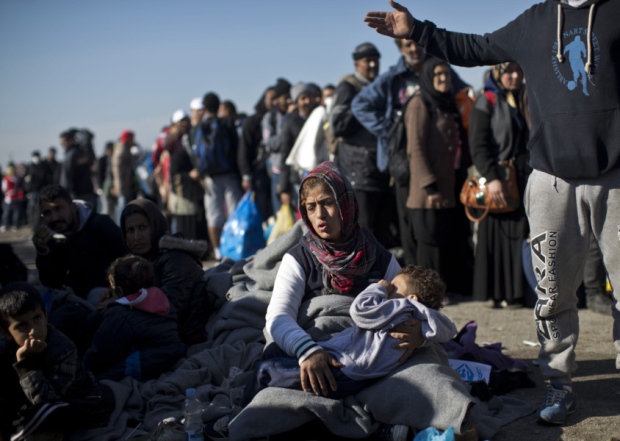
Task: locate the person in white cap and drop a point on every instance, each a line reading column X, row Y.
column 186, row 192
column 197, row 111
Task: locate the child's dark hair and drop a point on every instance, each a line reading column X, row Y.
column 130, row 274
column 425, row 284
column 18, row 298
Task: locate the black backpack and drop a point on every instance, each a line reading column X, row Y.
column 331, row 141
column 396, row 149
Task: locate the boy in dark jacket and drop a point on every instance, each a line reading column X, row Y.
column 138, row 337
column 44, row 381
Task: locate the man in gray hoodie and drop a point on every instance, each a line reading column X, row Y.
column 568, row 50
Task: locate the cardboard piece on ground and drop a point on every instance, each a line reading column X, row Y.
column 471, row 371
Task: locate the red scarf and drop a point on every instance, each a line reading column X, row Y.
column 356, row 252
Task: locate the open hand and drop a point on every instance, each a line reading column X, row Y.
column 316, row 376
column 410, row 335
column 397, row 24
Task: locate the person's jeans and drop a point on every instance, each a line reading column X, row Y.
column 11, row 215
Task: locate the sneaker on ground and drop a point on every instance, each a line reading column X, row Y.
column 218, row 430
column 559, row 403
column 394, row 432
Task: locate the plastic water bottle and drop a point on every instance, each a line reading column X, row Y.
column 193, row 417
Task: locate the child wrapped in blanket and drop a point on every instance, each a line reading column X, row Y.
column 365, row 351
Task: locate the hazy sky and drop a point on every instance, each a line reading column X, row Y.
column 129, row 64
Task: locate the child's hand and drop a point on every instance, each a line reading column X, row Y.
column 387, row 285
column 31, row 347
column 104, row 303
column 106, row 297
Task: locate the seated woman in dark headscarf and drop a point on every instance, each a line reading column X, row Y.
column 178, row 268
column 335, row 257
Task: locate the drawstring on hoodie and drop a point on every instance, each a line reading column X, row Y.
column 559, row 55
column 588, row 66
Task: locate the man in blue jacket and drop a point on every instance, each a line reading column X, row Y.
column 574, row 189
column 379, row 104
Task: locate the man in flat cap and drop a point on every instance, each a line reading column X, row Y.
column 356, row 152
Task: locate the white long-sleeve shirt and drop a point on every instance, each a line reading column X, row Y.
column 288, row 293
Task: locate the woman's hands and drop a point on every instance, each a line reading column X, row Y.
column 497, row 193
column 410, row 335
column 316, row 376
column 435, row 201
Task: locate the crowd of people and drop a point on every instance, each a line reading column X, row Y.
column 203, row 161
column 127, row 232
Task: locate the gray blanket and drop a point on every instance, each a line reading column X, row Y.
column 424, row 392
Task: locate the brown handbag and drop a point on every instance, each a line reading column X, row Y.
column 475, row 193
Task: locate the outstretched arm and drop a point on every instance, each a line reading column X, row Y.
column 397, row 24
column 456, row 48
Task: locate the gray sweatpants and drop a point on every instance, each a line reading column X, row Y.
column 563, row 216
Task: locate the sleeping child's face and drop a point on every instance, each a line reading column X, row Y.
column 400, row 288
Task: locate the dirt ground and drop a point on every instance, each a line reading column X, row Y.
column 596, row 382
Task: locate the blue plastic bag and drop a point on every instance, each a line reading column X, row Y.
column 242, row 235
column 432, row 434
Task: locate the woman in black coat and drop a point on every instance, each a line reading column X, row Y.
column 177, row 263
column 498, row 131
